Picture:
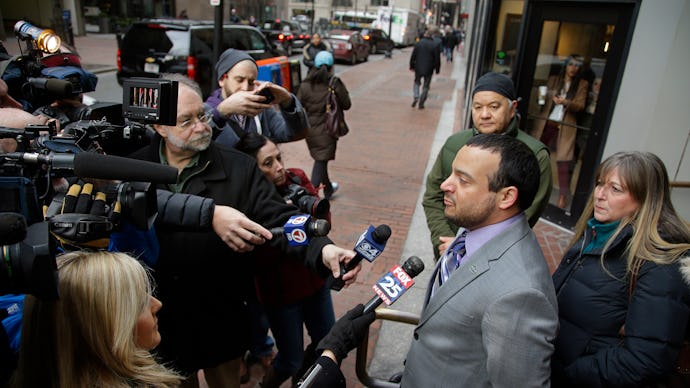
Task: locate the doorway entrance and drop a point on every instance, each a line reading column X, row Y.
column 568, row 77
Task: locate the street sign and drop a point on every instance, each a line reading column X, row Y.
column 215, row 3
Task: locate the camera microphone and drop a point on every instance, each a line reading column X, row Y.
column 369, row 246
column 12, row 228
column 300, row 227
column 99, row 166
column 394, row 283
column 56, row 87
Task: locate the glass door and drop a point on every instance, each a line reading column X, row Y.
column 571, row 67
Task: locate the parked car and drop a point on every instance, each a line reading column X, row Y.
column 300, row 35
column 348, row 45
column 154, row 46
column 379, row 42
column 285, row 35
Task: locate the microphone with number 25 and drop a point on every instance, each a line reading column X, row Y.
column 350, row 330
column 369, row 246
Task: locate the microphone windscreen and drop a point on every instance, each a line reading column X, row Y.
column 413, row 266
column 381, row 234
column 93, row 165
column 320, row 228
column 12, row 228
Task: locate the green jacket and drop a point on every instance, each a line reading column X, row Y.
column 443, row 167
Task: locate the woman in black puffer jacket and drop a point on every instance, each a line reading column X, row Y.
column 624, row 285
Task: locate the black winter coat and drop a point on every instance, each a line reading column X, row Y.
column 426, row 57
column 593, row 306
column 202, row 283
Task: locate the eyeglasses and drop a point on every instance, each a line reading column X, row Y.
column 204, row 118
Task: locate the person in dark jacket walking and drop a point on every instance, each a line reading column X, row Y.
column 449, row 43
column 203, row 281
column 624, row 285
column 313, row 93
column 312, row 48
column 425, row 59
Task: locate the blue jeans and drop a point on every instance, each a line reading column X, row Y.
column 261, row 344
column 314, row 312
column 425, row 87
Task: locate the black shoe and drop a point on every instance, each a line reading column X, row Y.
column 421, row 106
column 396, row 378
column 414, row 102
column 329, row 193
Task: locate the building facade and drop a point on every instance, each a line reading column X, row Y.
column 633, row 54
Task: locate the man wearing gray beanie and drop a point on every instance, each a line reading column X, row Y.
column 239, row 105
column 494, row 108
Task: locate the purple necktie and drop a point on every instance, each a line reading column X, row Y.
column 452, row 258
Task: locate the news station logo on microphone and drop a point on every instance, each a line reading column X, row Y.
column 295, row 230
column 393, row 284
column 367, row 246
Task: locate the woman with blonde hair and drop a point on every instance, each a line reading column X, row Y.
column 623, row 286
column 99, row 333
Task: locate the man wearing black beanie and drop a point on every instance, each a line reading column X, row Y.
column 241, row 105
column 494, row 108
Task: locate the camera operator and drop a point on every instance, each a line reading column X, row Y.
column 203, row 282
column 291, row 295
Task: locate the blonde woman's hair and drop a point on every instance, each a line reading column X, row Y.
column 660, row 235
column 86, row 338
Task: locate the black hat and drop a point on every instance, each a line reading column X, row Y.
column 497, row 83
column 228, row 59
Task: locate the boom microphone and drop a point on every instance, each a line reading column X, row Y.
column 99, row 166
column 300, row 227
column 12, row 228
column 394, row 283
column 56, row 87
column 369, row 246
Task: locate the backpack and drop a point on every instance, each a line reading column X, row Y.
column 335, row 118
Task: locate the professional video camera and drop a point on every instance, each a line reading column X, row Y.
column 313, row 205
column 46, row 70
column 29, row 262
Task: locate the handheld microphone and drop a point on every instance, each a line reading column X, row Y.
column 394, row 283
column 369, row 246
column 12, row 228
column 99, row 166
column 56, row 87
column 300, row 227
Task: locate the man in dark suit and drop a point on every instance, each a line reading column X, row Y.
column 425, row 59
column 490, row 315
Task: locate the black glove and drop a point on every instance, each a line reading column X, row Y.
column 347, row 333
column 84, row 219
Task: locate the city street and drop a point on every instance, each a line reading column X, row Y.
column 109, row 90
column 380, row 166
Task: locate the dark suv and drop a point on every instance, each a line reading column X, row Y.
column 154, row 46
column 285, row 35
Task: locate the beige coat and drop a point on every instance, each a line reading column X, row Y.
column 565, row 144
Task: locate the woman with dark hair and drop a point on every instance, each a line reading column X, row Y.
column 623, row 286
column 558, row 126
column 292, row 296
column 313, row 94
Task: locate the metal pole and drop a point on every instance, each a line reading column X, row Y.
column 313, row 16
column 217, row 35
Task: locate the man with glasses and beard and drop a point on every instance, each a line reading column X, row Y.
column 202, row 274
